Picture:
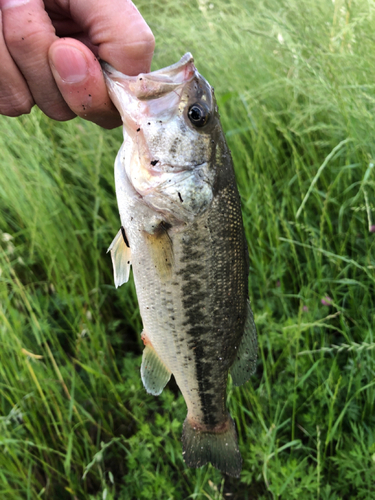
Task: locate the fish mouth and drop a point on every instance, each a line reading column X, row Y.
column 152, row 85
column 167, row 177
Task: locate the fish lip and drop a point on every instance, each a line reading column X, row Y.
column 145, row 192
column 176, row 170
column 159, row 74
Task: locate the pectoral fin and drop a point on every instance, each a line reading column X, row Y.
column 154, row 373
column 161, row 250
column 120, row 254
column 245, row 362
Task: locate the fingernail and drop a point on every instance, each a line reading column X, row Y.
column 69, row 63
column 6, row 4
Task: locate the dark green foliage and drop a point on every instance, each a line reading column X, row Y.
column 295, row 86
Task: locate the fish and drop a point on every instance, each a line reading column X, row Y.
column 182, row 233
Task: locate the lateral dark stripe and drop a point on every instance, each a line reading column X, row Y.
column 197, row 328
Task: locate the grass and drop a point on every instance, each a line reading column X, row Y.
column 295, row 86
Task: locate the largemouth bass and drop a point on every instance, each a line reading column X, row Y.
column 182, row 233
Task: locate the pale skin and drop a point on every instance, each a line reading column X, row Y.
column 49, row 55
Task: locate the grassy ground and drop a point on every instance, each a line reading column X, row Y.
column 295, row 82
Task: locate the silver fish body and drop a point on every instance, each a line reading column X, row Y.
column 182, row 233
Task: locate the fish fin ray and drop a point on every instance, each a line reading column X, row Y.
column 246, row 357
column 121, row 258
column 154, row 373
column 161, row 250
column 220, row 448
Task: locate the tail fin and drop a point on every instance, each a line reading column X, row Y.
column 219, row 448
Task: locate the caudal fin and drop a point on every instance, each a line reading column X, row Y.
column 219, row 448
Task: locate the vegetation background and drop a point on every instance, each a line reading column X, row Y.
column 295, row 81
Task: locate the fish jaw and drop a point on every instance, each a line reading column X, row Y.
column 147, row 94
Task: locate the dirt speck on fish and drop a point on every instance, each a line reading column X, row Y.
column 182, row 232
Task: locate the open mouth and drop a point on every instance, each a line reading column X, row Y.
column 155, row 84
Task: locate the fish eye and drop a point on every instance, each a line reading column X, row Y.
column 198, row 115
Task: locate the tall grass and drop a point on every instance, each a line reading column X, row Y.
column 295, row 83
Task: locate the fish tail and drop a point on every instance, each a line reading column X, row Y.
column 218, row 446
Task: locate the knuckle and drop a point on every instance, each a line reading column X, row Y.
column 15, row 106
column 29, row 39
column 62, row 114
column 14, row 39
column 149, row 42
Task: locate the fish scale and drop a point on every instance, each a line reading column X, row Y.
column 182, row 233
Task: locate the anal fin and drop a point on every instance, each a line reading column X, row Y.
column 154, row 373
column 245, row 363
column 121, row 258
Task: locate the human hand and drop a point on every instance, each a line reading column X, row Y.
column 62, row 75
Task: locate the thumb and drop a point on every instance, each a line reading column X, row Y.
column 79, row 77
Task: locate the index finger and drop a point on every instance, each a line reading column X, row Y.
column 119, row 31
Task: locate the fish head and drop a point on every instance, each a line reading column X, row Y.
column 171, row 119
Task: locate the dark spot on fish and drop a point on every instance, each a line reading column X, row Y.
column 23, row 38
column 124, row 237
column 148, row 123
column 138, row 129
column 179, row 195
column 154, row 162
column 165, row 225
column 89, row 95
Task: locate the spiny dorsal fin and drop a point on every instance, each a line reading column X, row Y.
column 154, row 373
column 120, row 254
column 245, row 363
